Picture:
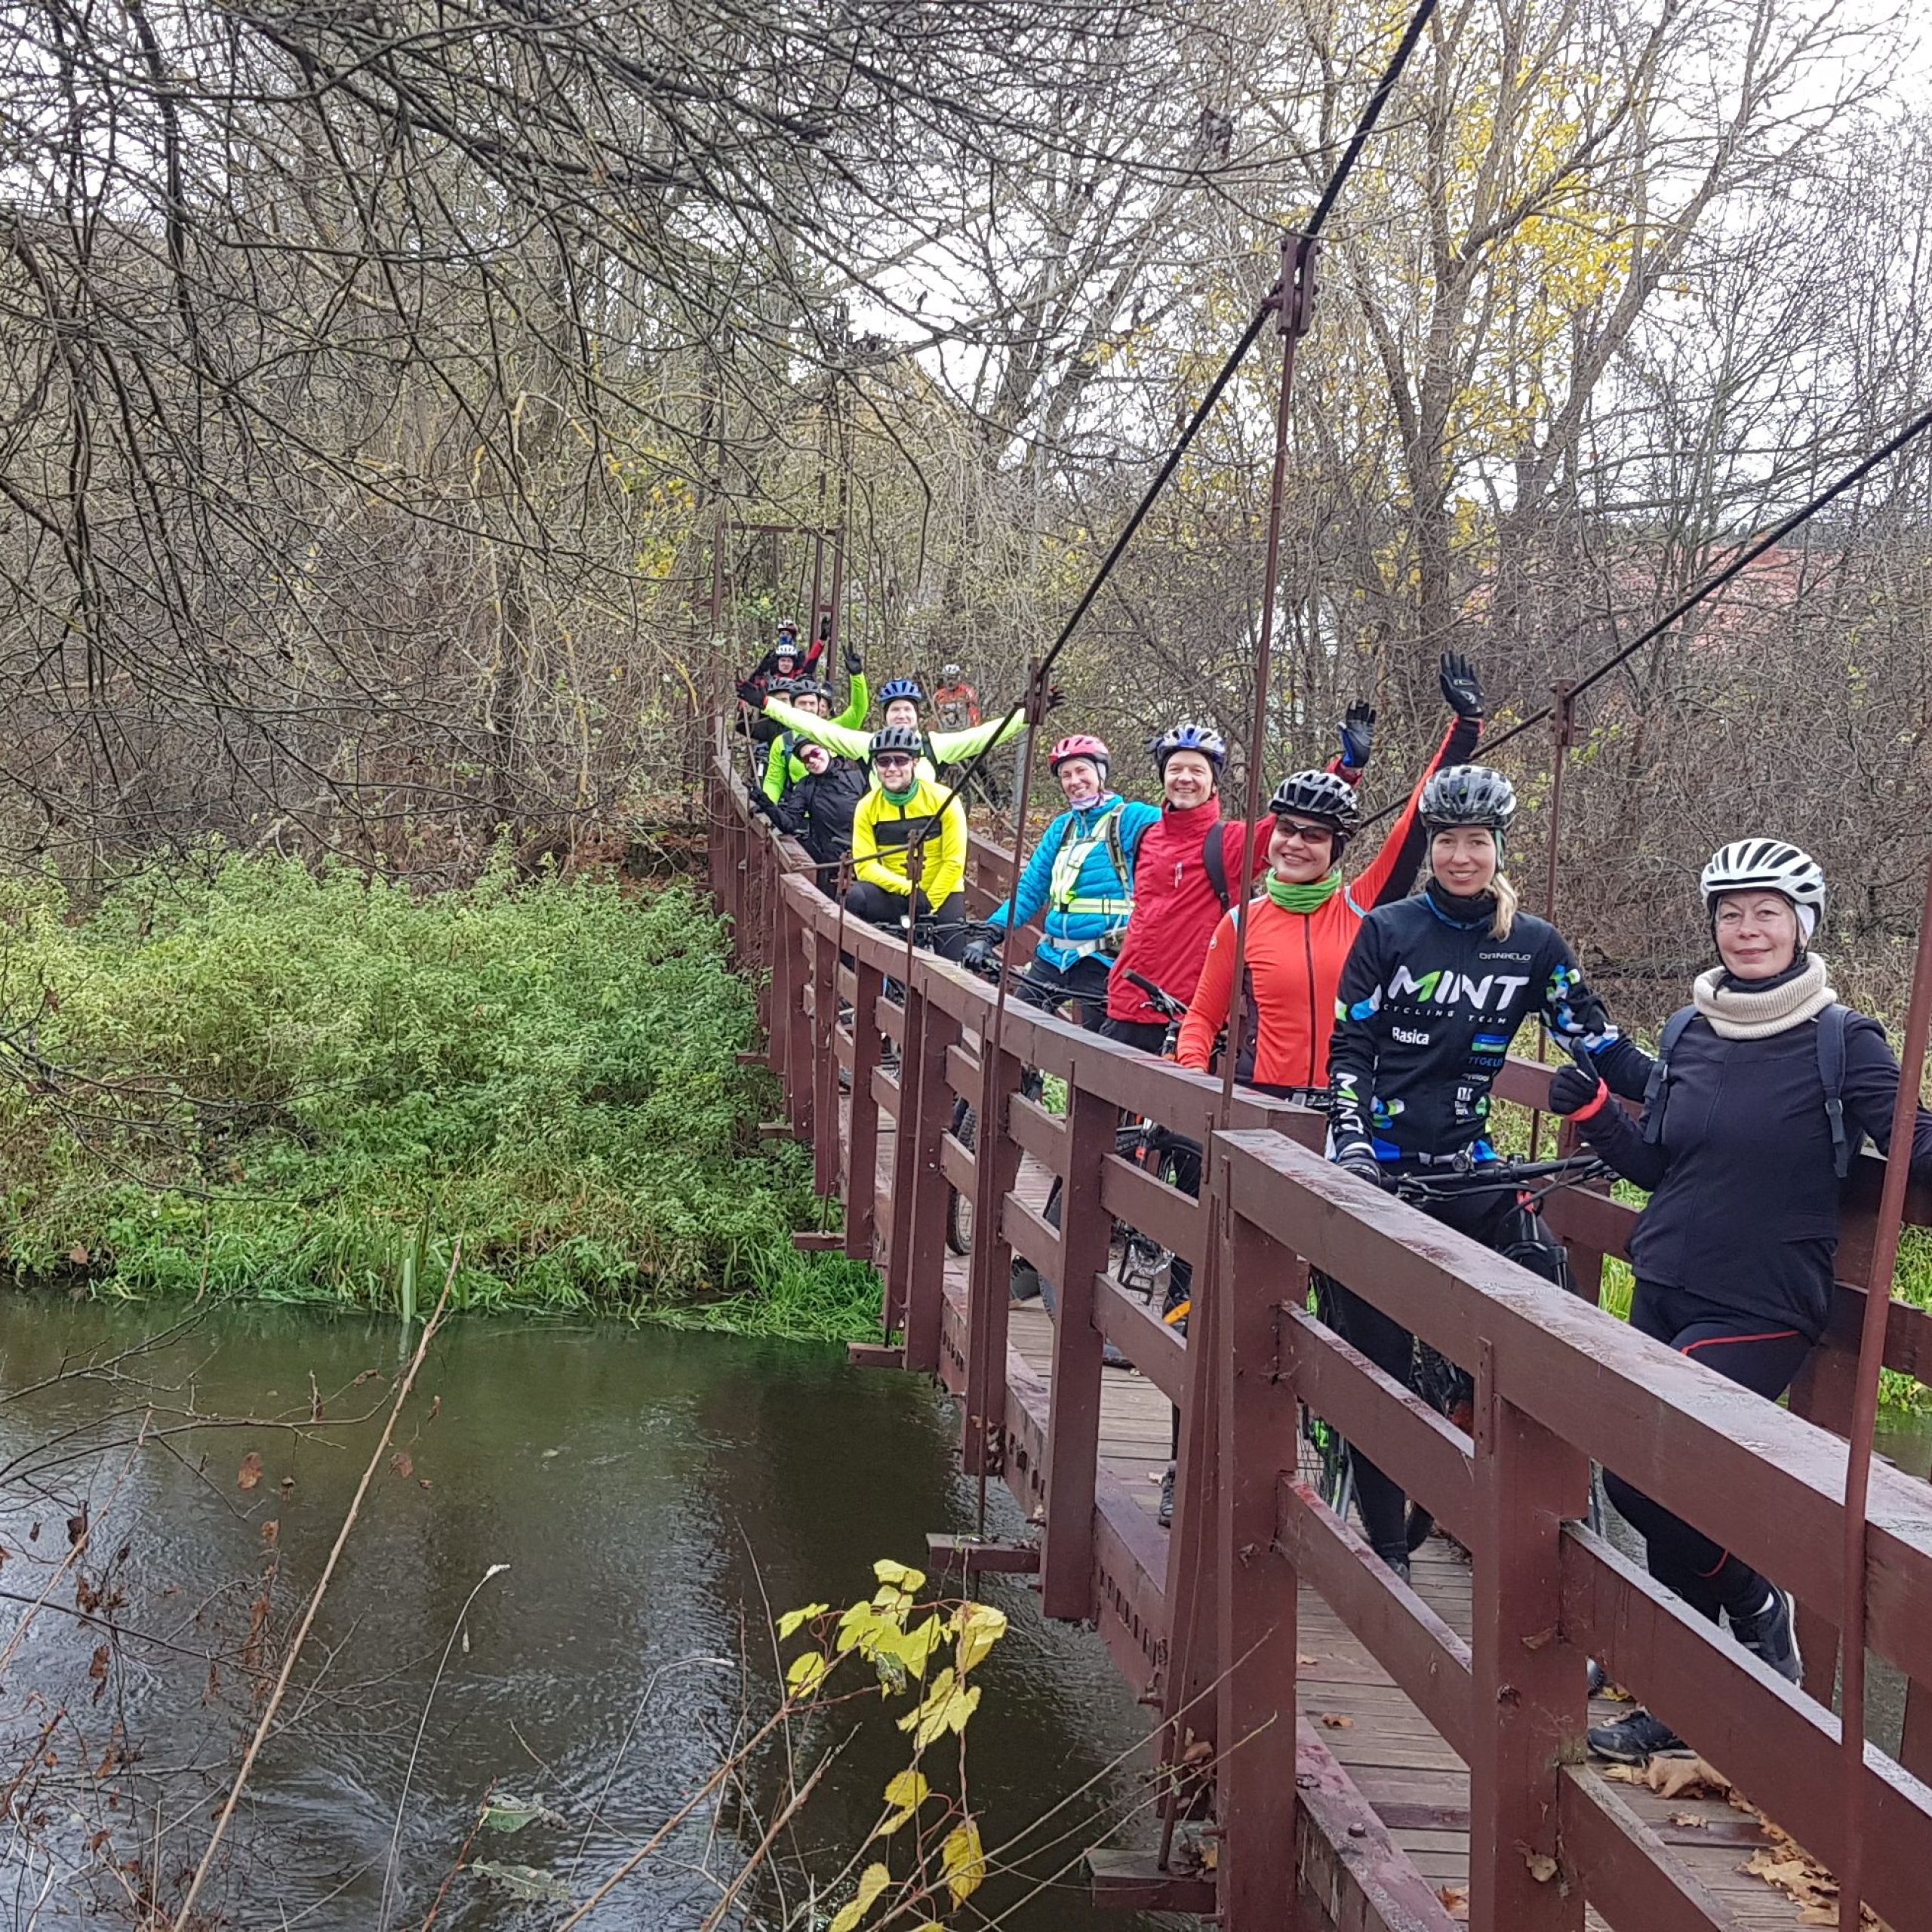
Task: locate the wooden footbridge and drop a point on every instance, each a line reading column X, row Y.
column 1350, row 1752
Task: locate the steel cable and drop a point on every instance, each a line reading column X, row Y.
column 1916, row 427
column 1324, row 208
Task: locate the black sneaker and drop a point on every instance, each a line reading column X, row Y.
column 1165, row 1516
column 1397, row 1560
column 1768, row 1634
column 1634, row 1740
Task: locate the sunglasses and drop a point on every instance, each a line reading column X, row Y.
column 1307, row 834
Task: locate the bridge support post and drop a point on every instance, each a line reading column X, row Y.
column 917, row 1281
column 1257, row 1720
column 860, row 1180
column 1073, row 1428
column 1530, row 1698
column 989, row 1291
column 824, row 1065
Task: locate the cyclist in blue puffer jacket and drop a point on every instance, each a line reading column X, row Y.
column 1081, row 872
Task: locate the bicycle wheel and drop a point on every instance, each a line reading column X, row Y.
column 1321, row 1457
column 959, row 1206
column 1449, row 1391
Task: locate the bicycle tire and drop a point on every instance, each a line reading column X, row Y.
column 958, row 1207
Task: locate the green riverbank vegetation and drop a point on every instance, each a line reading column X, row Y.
column 249, row 1078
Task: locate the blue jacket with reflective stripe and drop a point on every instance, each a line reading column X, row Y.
column 1072, row 936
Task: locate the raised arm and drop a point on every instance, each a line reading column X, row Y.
column 858, row 701
column 837, row 738
column 955, row 747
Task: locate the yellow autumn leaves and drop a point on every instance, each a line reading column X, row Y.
column 888, row 1632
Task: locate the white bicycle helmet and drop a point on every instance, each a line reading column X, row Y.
column 1768, row 865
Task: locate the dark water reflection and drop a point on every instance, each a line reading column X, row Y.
column 650, row 1494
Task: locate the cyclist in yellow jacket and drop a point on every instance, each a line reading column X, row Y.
column 903, row 806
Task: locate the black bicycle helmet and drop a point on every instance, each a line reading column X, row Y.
column 1467, row 794
column 906, row 738
column 1322, row 796
column 1188, row 737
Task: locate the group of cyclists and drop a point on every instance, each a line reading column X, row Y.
column 1395, row 993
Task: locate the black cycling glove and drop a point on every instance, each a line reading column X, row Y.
column 1573, row 1091
column 1357, row 731
column 1462, row 689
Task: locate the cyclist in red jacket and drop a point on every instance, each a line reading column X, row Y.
column 1303, row 923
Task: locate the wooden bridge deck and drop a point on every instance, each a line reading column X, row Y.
column 1417, row 1786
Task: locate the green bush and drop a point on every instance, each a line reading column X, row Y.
column 259, row 1080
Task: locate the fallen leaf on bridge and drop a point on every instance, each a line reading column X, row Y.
column 1456, row 1901
column 1672, row 1775
column 250, row 1472
column 1299, row 1658
column 1786, row 1866
column 1335, row 1720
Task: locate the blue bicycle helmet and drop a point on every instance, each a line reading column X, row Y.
column 899, row 687
column 1189, row 737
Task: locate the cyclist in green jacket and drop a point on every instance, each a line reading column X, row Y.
column 783, row 767
column 902, row 698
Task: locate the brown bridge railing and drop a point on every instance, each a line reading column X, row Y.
column 1202, row 1620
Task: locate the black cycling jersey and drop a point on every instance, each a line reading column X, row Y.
column 1430, row 1000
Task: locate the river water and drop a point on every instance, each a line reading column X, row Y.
column 651, row 1495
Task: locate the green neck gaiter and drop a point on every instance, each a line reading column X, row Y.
column 901, row 798
column 1303, row 898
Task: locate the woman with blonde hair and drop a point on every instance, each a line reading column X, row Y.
column 1433, row 993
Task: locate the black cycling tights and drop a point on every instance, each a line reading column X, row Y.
column 1763, row 1357
column 1497, row 1221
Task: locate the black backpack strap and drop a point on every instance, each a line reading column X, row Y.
column 1214, row 857
column 1656, row 1087
column 1830, row 1073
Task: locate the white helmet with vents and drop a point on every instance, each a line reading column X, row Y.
column 1768, row 865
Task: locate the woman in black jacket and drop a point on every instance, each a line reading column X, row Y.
column 817, row 811
column 1743, row 1156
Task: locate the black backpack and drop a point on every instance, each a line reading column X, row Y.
column 1831, row 1071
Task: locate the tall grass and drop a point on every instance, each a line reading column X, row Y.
column 259, row 1081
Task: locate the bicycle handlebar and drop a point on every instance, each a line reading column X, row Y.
column 1163, row 1002
column 1498, row 1175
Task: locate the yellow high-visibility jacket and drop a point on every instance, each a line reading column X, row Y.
column 882, row 832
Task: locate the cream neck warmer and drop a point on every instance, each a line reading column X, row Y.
column 1736, row 1013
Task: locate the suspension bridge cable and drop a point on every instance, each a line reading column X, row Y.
column 1915, row 428
column 1325, row 206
